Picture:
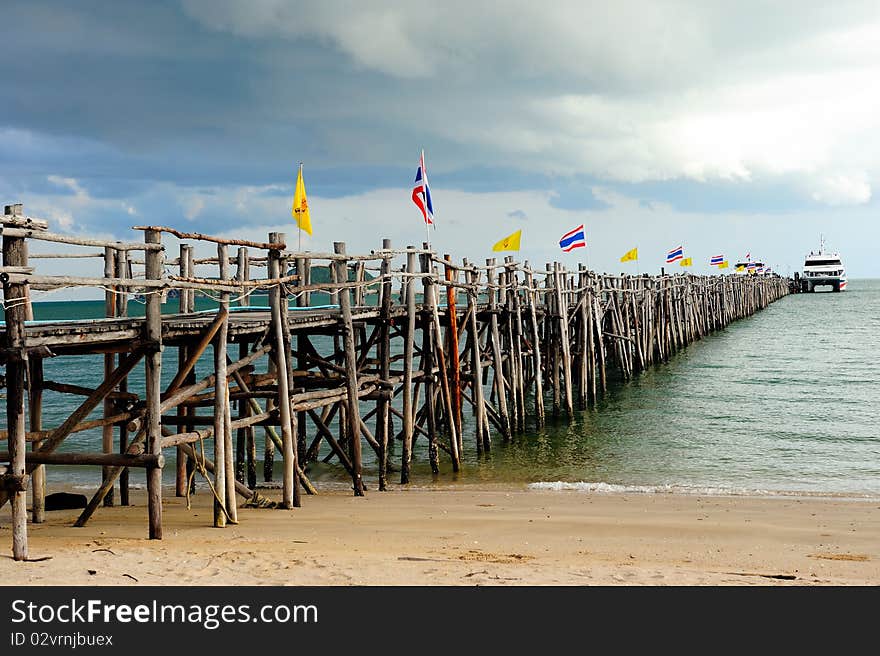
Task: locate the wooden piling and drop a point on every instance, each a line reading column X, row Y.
column 109, row 361
column 481, row 431
column 123, row 271
column 35, row 411
column 153, row 375
column 495, row 340
column 408, row 350
column 221, row 388
column 428, row 361
column 279, row 355
column 351, row 374
column 451, row 274
column 181, row 478
column 383, row 352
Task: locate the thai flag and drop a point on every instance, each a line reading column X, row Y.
column 675, row 255
column 716, row 259
column 759, row 270
column 421, row 194
column 573, row 239
column 751, row 266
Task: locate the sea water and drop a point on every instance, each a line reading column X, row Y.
column 785, row 401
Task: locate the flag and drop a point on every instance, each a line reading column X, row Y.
column 675, row 255
column 740, row 267
column 716, row 260
column 573, row 239
column 748, row 255
column 630, row 255
column 509, row 243
column 300, row 209
column 723, row 265
column 421, row 194
column 686, row 262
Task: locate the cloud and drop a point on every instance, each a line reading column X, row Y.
column 689, row 111
column 842, row 190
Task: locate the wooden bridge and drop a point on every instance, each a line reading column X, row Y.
column 407, row 338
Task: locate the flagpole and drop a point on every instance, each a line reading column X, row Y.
column 300, row 246
column 425, row 194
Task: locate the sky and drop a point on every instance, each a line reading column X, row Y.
column 724, row 127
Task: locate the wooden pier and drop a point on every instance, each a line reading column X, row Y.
column 383, row 356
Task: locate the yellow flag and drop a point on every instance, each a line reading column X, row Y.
column 741, row 267
column 509, row 243
column 300, row 205
column 686, row 262
column 723, row 265
column 630, row 255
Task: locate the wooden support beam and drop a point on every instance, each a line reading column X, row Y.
column 407, row 393
column 495, row 343
column 57, row 436
column 35, row 410
column 147, row 460
column 15, row 297
column 153, row 374
column 109, row 362
column 383, row 405
column 353, row 412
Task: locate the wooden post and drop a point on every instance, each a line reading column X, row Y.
column 445, row 391
column 359, row 278
column 564, row 341
column 153, row 369
column 599, row 323
column 383, row 414
column 302, row 270
column 122, row 271
column 181, row 479
column 508, row 365
column 408, row 349
column 245, row 448
column 536, row 348
column 280, row 353
column 269, row 445
column 351, row 374
column 109, row 359
column 498, row 370
column 481, row 433
column 290, row 453
column 451, row 274
column 221, row 387
column 428, row 360
column 516, row 331
column 35, row 410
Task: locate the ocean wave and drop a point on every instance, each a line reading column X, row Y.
column 612, row 488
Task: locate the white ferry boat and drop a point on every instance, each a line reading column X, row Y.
column 823, row 268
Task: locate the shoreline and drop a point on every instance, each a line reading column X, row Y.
column 469, row 535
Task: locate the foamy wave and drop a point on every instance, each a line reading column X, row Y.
column 611, row 488
column 91, row 486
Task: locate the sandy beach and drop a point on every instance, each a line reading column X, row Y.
column 466, row 536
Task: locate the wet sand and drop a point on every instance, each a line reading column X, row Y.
column 465, row 536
